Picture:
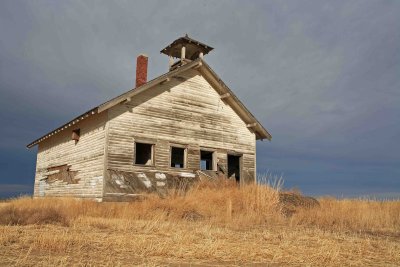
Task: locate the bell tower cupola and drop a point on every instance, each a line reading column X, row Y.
column 185, row 49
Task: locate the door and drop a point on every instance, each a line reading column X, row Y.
column 234, row 167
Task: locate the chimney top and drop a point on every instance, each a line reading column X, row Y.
column 141, row 69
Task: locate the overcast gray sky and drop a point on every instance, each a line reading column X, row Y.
column 322, row 76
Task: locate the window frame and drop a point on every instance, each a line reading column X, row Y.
column 214, row 158
column 153, row 156
column 185, row 153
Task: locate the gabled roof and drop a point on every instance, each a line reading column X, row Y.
column 200, row 65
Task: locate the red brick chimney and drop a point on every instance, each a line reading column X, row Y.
column 141, row 70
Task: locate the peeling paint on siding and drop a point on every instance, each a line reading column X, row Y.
column 160, row 176
column 187, row 175
column 42, row 185
column 160, row 183
column 144, row 179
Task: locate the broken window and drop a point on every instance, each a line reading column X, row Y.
column 178, row 157
column 207, row 160
column 144, row 153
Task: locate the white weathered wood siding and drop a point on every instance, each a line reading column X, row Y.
column 186, row 110
column 86, row 158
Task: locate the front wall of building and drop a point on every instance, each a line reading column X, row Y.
column 185, row 111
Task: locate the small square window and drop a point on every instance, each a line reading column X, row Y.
column 144, row 154
column 178, row 155
column 76, row 134
column 207, row 160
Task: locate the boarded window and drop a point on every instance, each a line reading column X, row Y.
column 62, row 173
column 144, row 154
column 207, row 160
column 178, row 157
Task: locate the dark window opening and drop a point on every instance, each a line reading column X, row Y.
column 177, row 157
column 76, row 134
column 207, row 160
column 144, row 154
column 234, row 167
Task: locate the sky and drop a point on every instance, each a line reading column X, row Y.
column 322, row 76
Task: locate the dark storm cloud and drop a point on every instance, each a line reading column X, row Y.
column 322, row 76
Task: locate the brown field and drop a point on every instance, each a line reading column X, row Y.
column 212, row 224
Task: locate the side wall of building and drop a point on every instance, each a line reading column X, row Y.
column 68, row 168
column 184, row 111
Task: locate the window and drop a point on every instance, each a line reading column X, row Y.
column 178, row 156
column 144, row 154
column 76, row 134
column 207, row 161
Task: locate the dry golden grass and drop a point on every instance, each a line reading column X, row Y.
column 215, row 224
column 368, row 216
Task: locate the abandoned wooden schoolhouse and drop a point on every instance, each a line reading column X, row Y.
column 183, row 125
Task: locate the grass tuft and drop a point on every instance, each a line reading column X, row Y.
column 24, row 215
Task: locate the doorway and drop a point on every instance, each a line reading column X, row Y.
column 234, row 167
